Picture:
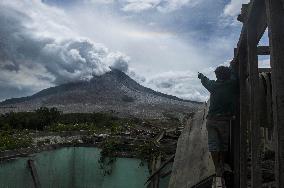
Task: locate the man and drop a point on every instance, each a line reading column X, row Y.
column 221, row 112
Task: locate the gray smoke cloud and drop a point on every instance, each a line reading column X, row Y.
column 38, row 50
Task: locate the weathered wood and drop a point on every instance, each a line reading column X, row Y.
column 244, row 11
column 262, row 96
column 267, row 77
column 235, row 133
column 263, row 50
column 205, row 183
column 235, row 127
column 252, row 41
column 264, row 70
column 160, row 168
column 166, row 174
column 275, row 17
column 34, row 173
column 155, row 179
column 244, row 108
column 256, row 18
column 269, row 141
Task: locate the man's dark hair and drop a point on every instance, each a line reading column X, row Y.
column 223, row 73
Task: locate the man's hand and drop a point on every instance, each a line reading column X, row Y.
column 200, row 75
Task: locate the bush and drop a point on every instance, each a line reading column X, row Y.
column 30, row 120
column 52, row 119
column 9, row 141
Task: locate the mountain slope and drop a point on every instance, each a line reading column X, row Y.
column 113, row 91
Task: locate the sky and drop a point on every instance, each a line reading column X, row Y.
column 162, row 44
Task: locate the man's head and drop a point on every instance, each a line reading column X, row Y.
column 223, row 73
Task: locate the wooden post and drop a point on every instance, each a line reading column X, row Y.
column 244, row 109
column 263, row 50
column 275, row 19
column 252, row 41
column 235, row 132
column 34, row 173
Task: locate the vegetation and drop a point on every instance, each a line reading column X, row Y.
column 148, row 151
column 29, row 120
column 53, row 120
column 14, row 129
column 112, row 146
column 10, row 141
column 107, row 156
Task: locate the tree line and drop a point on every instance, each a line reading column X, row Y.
column 45, row 117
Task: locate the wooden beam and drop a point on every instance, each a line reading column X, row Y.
column 166, row 174
column 275, row 17
column 235, row 131
column 264, row 70
column 244, row 109
column 263, row 50
column 252, row 41
column 34, row 173
column 256, row 18
column 244, row 11
column 235, row 135
column 160, row 168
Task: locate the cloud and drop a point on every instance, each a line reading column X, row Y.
column 172, row 5
column 183, row 84
column 264, row 62
column 139, row 5
column 159, row 5
column 38, row 49
column 118, row 61
column 234, row 7
column 167, row 40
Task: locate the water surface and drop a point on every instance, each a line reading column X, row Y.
column 73, row 167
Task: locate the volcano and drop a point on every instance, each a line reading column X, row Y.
column 112, row 92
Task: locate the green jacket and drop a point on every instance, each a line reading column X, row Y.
column 222, row 96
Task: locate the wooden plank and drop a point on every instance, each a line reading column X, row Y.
column 256, row 18
column 34, row 173
column 264, row 70
column 263, row 50
column 235, row 133
column 235, row 127
column 166, row 174
column 204, row 183
column 275, row 17
column 244, row 108
column 267, row 77
column 254, row 103
column 244, row 11
column 160, row 168
column 155, row 179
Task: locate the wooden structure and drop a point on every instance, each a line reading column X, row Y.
column 257, row 16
